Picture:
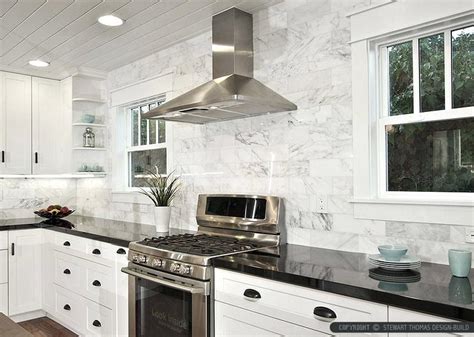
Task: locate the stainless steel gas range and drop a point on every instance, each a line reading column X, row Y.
column 170, row 278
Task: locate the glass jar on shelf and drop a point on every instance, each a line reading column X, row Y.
column 88, row 138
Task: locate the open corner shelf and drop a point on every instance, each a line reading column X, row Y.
column 92, row 125
column 89, row 148
column 89, row 100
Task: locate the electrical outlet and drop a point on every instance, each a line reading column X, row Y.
column 469, row 235
column 321, row 203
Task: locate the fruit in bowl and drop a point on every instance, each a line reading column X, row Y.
column 54, row 212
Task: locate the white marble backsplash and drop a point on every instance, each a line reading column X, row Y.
column 302, row 52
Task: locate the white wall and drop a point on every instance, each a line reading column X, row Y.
column 302, row 52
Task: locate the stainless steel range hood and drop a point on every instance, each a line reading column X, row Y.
column 233, row 93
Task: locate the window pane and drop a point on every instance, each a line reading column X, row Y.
column 400, row 70
column 143, row 127
column 462, row 44
column 431, row 54
column 143, row 161
column 161, row 131
column 431, row 156
column 134, row 122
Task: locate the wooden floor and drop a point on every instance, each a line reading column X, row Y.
column 45, row 327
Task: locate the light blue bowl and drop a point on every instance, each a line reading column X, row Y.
column 392, row 252
column 88, row 118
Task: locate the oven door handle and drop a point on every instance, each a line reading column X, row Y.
column 167, row 283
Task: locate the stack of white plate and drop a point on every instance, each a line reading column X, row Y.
column 406, row 262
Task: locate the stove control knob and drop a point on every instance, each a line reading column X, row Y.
column 135, row 258
column 157, row 263
column 142, row 259
column 185, row 270
column 175, row 267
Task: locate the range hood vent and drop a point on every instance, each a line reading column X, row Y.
column 233, row 93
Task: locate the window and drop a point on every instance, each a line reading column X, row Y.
column 426, row 122
column 147, row 148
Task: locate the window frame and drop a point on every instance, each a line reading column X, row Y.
column 129, row 148
column 382, row 107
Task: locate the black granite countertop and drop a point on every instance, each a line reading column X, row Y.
column 346, row 273
column 119, row 233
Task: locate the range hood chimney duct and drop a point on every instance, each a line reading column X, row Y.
column 233, row 93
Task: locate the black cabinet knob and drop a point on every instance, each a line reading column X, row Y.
column 96, row 251
column 252, row 294
column 96, row 283
column 67, row 307
column 96, row 323
column 66, row 243
column 121, row 251
column 324, row 314
column 67, row 271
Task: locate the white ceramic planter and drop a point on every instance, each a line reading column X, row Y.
column 162, row 218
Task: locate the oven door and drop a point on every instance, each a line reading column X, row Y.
column 163, row 304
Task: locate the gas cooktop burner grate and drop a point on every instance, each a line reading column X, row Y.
column 200, row 244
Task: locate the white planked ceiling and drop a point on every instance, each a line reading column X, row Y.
column 66, row 32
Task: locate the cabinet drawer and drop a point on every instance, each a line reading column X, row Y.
column 99, row 285
column 99, row 320
column 237, row 322
column 3, row 266
column 4, row 240
column 293, row 303
column 69, row 308
column 100, row 252
column 68, row 271
column 69, row 243
column 4, row 298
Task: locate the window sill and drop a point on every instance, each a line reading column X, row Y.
column 132, row 197
column 426, row 211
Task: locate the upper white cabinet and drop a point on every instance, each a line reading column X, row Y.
column 33, row 133
column 25, row 270
column 15, row 123
column 49, row 128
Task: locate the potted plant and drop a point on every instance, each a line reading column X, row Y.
column 161, row 189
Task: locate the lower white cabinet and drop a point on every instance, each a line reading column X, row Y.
column 282, row 309
column 403, row 315
column 236, row 322
column 25, row 271
column 85, row 289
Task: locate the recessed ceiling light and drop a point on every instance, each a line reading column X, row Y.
column 110, row 20
column 38, row 63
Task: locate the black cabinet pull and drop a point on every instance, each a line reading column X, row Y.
column 96, row 323
column 67, row 271
column 96, row 252
column 66, row 243
column 67, row 307
column 96, row 283
column 3, row 156
column 36, row 157
column 324, row 314
column 121, row 251
column 13, row 249
column 252, row 294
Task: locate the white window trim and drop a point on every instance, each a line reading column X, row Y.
column 368, row 202
column 122, row 99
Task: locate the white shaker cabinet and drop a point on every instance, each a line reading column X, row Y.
column 49, row 128
column 25, row 270
column 236, row 322
column 248, row 306
column 4, row 272
column 15, row 123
